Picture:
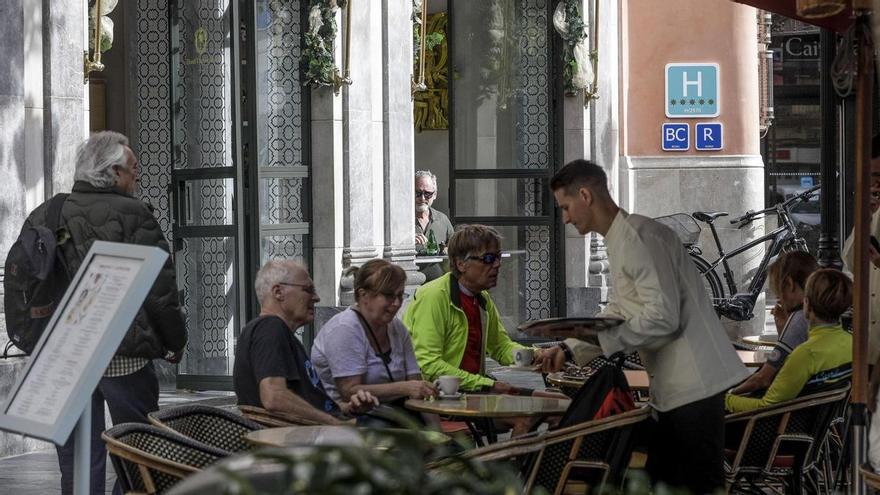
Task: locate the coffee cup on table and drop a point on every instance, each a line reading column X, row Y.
column 523, row 357
column 448, row 384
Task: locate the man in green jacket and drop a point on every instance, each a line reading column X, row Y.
column 453, row 321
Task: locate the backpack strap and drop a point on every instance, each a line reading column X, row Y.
column 53, row 215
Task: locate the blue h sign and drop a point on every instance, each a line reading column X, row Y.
column 676, row 137
column 692, row 90
column 709, row 136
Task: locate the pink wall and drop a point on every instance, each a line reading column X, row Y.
column 657, row 32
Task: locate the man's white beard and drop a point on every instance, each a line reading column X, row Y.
column 422, row 208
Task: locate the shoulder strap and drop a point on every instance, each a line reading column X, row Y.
column 384, row 356
column 53, row 215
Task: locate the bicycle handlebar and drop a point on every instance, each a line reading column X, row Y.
column 751, row 214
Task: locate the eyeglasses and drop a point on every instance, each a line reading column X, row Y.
column 393, row 296
column 487, row 258
column 308, row 289
column 425, row 194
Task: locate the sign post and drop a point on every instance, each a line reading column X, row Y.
column 54, row 393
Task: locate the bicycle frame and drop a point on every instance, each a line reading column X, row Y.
column 780, row 236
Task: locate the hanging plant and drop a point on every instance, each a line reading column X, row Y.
column 319, row 42
column 576, row 67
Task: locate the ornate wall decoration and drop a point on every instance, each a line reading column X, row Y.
column 431, row 105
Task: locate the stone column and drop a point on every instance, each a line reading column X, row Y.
column 593, row 133
column 398, row 139
column 363, row 138
column 65, row 125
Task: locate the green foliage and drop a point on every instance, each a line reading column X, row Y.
column 318, row 47
column 391, row 461
column 576, row 33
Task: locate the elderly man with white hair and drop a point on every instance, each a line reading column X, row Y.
column 101, row 206
column 430, row 220
column 272, row 368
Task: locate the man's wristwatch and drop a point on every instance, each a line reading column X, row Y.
column 569, row 356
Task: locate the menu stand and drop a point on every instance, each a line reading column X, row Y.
column 77, row 345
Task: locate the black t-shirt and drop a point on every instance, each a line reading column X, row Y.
column 267, row 348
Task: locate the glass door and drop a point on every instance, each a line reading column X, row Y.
column 504, row 146
column 204, row 181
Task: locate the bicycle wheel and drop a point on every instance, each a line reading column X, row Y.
column 714, row 289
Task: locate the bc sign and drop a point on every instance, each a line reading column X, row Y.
column 708, row 136
column 692, row 90
column 676, row 137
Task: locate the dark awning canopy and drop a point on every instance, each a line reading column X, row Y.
column 840, row 22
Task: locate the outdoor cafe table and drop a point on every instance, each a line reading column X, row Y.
column 335, row 436
column 484, row 408
column 752, row 359
column 296, row 436
column 637, row 379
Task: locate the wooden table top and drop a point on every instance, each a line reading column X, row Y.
column 638, row 380
column 758, row 340
column 491, row 406
column 334, row 436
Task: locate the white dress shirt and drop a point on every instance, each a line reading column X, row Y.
column 660, row 293
column 848, row 256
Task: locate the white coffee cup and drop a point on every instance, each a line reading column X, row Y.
column 448, row 384
column 523, row 357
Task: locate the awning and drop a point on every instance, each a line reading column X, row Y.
column 840, row 22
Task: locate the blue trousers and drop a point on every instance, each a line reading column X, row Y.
column 129, row 399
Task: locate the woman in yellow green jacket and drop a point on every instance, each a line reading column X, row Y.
column 829, row 347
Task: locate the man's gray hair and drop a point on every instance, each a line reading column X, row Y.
column 272, row 273
column 428, row 174
column 96, row 157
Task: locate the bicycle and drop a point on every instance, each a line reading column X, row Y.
column 739, row 306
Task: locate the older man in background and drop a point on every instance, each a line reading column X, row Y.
column 102, row 207
column 430, row 221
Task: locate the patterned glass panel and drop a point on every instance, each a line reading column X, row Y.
column 280, row 247
column 524, row 289
column 205, row 109
column 208, row 202
column 281, row 200
column 502, row 104
column 207, row 267
column 151, row 121
column 279, row 87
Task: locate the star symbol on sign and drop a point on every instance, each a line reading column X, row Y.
column 692, row 102
column 711, row 102
column 683, row 101
column 672, row 102
column 702, row 101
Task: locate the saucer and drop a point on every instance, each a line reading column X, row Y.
column 450, row 396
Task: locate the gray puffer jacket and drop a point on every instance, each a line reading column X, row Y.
column 109, row 214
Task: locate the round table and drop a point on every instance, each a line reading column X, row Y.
column 757, row 340
column 335, row 436
column 485, row 408
column 638, row 380
column 295, row 436
column 752, row 359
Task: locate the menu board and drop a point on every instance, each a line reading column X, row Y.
column 80, row 339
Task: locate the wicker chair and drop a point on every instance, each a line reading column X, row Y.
column 148, row 459
column 274, row 418
column 779, row 446
column 209, row 425
column 872, row 479
column 592, row 453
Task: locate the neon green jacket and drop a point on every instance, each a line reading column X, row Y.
column 828, row 347
column 439, row 331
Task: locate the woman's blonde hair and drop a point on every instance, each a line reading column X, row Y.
column 378, row 275
column 828, row 294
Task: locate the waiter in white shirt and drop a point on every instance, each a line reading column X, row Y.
column 669, row 320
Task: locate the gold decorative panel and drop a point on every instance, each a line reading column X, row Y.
column 431, row 106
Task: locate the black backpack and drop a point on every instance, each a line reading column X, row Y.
column 36, row 278
column 605, row 393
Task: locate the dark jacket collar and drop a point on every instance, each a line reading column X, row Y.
column 82, row 186
column 455, row 293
